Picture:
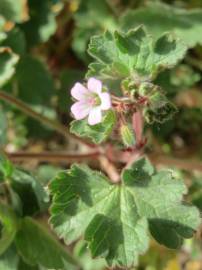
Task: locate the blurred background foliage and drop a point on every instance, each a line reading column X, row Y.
column 43, row 48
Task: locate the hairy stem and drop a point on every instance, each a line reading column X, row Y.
column 108, row 166
column 41, row 118
column 51, row 156
column 110, row 169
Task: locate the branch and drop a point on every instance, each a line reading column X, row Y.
column 51, row 156
column 108, row 166
column 110, row 169
column 41, row 118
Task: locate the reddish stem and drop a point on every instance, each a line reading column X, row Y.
column 138, row 125
column 110, row 169
column 41, row 118
column 51, row 156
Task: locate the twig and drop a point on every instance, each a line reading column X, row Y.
column 64, row 157
column 112, row 172
column 43, row 119
column 51, row 156
column 135, row 156
column 110, row 169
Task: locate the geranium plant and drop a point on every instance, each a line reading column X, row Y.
column 102, row 103
column 116, row 210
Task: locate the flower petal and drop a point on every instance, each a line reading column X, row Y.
column 95, row 116
column 79, row 92
column 80, row 110
column 105, row 101
column 95, row 85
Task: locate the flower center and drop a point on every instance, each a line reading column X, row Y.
column 94, row 100
column 97, row 100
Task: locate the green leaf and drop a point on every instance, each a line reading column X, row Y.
column 3, row 126
column 9, row 260
column 6, row 167
column 158, row 197
column 75, row 193
column 92, row 17
column 116, row 219
column 24, row 266
column 160, row 109
column 16, row 41
column 8, row 60
column 91, row 14
column 160, row 18
column 41, row 87
column 127, row 135
column 37, row 246
column 14, row 10
column 42, row 24
column 33, row 196
column 2, row 32
column 97, row 133
column 9, row 224
column 132, row 55
column 24, row 190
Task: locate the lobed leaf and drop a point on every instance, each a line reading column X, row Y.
column 116, row 219
column 160, row 18
column 97, row 133
column 133, row 54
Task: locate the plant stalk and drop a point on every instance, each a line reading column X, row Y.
column 41, row 118
column 51, row 156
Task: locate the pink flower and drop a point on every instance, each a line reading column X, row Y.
column 90, row 101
